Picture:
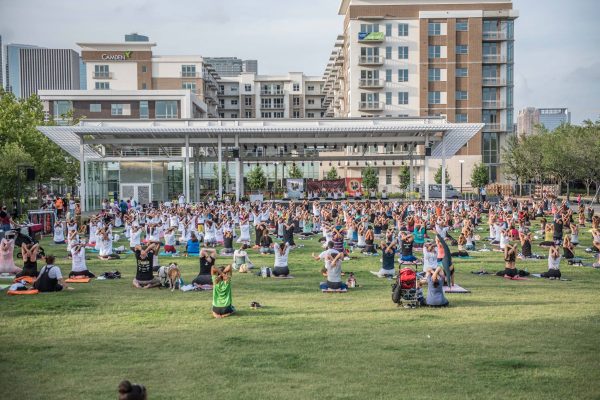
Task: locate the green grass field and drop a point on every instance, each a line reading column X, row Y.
column 533, row 339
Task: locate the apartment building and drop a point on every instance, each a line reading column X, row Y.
column 132, row 66
column 427, row 58
column 232, row 66
column 30, row 68
column 294, row 95
column 550, row 118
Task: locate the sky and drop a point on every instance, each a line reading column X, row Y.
column 557, row 47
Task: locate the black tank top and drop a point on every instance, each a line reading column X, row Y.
column 144, row 266
column 205, row 265
column 228, row 242
column 407, row 248
column 526, row 249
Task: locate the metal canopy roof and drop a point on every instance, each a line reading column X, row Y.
column 260, row 132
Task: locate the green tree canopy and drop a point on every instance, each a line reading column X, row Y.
column 438, row 176
column 370, row 177
column 332, row 174
column 480, row 176
column 295, row 172
column 404, row 177
column 257, row 180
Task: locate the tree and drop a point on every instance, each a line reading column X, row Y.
column 370, row 177
column 225, row 176
column 480, row 176
column 332, row 174
column 438, row 176
column 11, row 156
column 295, row 173
column 257, row 179
column 404, row 177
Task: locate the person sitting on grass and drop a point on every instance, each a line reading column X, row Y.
column 568, row 248
column 462, row 251
column 406, row 241
column 192, row 247
column 132, row 391
column 227, row 243
column 548, row 236
column 170, row 240
column 430, row 257
column 240, row 257
column 59, row 233
column 333, row 266
column 106, row 247
column 144, row 277
column 29, row 252
column 266, row 244
column 78, row 265
column 222, row 300
column 510, row 258
column 280, row 265
column 207, row 262
column 525, row 239
column 553, row 264
column 7, row 262
column 419, row 232
column 50, row 278
column 370, row 247
column 388, row 258
column 435, row 288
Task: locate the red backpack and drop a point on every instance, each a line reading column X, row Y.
column 408, row 278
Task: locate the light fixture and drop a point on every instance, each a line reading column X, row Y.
column 357, row 163
column 303, row 164
column 330, row 163
column 295, row 147
column 384, row 163
column 394, row 163
column 312, row 164
column 305, row 146
column 245, row 147
column 248, row 164
column 375, row 162
column 338, row 163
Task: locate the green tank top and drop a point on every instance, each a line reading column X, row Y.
column 221, row 293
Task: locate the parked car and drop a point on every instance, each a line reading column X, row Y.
column 435, row 192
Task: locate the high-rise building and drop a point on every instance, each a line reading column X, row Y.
column 232, row 66
column 549, row 118
column 422, row 58
column 134, row 37
column 31, row 68
column 1, row 64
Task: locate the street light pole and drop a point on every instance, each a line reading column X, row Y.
column 461, row 176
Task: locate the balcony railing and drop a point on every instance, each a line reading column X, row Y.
column 493, row 104
column 371, row 83
column 103, row 75
column 495, row 35
column 370, row 60
column 272, row 92
column 273, row 106
column 494, row 81
column 494, row 58
column 370, row 106
column 371, row 37
column 189, row 74
column 494, row 128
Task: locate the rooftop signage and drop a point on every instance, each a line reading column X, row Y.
column 126, row 55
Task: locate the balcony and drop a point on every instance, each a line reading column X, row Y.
column 189, row 74
column 371, row 37
column 493, row 104
column 371, row 83
column 370, row 106
column 494, row 81
column 370, row 60
column 273, row 106
column 272, row 92
column 494, row 59
column 103, row 75
column 495, row 36
column 494, row 128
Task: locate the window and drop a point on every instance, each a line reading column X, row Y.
column 234, row 102
column 101, row 72
column 462, row 72
column 435, row 29
column 462, row 26
column 435, row 51
column 402, row 75
column 221, row 89
column 278, row 103
column 248, row 101
column 388, row 98
column 402, row 29
column 278, row 114
column 189, row 86
column 95, row 108
column 310, row 88
column 248, row 88
column 388, row 75
column 388, row 176
column 461, row 118
column 144, row 68
column 102, row 85
column 296, row 87
column 62, row 107
column 266, row 115
column 462, row 49
column 403, row 52
column 188, row 71
column 296, row 114
column 248, row 114
column 402, row 98
column 120, row 109
column 435, row 98
column 166, row 109
column 144, row 87
column 233, row 88
column 368, row 28
column 296, row 101
column 490, row 148
column 462, row 95
column 221, row 115
column 221, row 103
column 234, row 115
column 144, row 111
column 435, row 74
column 388, row 30
column 311, row 101
column 310, row 115
column 388, row 53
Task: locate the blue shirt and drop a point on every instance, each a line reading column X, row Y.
column 435, row 295
column 193, row 247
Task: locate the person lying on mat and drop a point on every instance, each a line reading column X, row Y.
column 435, row 288
column 553, row 263
column 388, row 259
column 144, row 277
column 280, row 265
column 207, row 261
column 192, row 247
column 78, row 264
column 222, row 300
column 30, row 254
column 50, row 278
column 240, row 257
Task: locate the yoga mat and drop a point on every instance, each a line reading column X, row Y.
column 6, row 276
column 282, row 277
column 163, row 254
column 456, row 289
column 375, row 273
column 2, row 287
column 516, row 278
column 334, row 290
column 561, row 279
column 80, row 280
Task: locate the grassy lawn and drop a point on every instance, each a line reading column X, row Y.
column 533, row 339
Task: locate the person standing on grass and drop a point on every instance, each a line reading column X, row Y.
column 222, row 305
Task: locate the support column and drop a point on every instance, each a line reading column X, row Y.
column 426, row 165
column 220, row 166
column 411, row 169
column 443, row 167
column 82, row 180
column 238, row 175
column 196, row 178
column 186, row 175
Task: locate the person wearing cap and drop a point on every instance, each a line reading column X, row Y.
column 78, row 265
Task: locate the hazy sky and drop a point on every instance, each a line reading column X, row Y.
column 557, row 47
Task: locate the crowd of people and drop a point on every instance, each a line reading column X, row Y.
column 406, row 234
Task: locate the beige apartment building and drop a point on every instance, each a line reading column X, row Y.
column 422, row 58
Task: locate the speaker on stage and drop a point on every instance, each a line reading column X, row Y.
column 427, row 151
column 30, row 172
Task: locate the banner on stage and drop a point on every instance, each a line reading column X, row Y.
column 354, row 187
column 295, row 188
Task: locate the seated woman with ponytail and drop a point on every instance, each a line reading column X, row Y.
column 222, row 300
column 132, row 391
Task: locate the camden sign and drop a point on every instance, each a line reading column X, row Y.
column 117, row 57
